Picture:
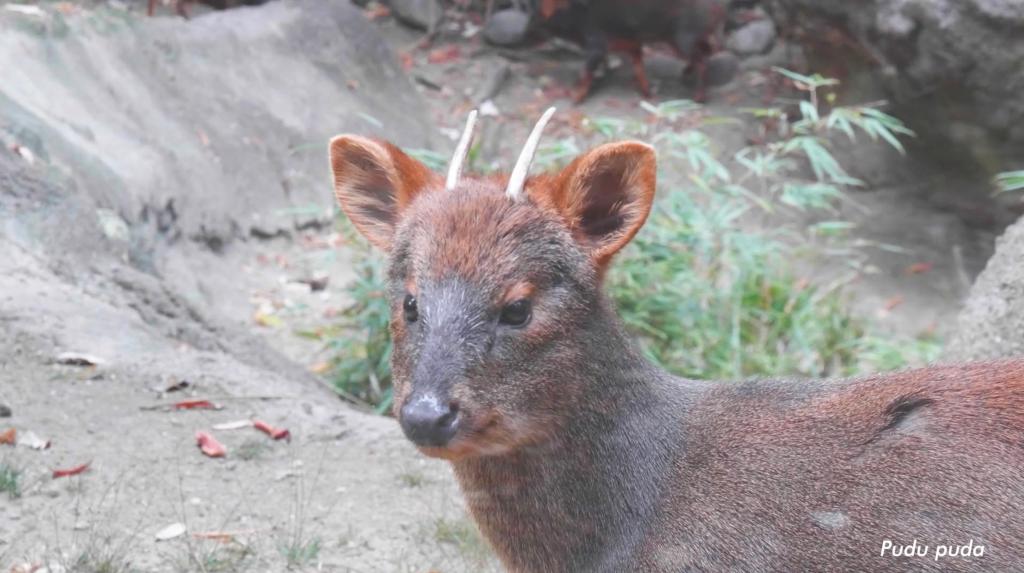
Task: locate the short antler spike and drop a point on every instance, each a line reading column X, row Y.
column 517, row 180
column 461, row 151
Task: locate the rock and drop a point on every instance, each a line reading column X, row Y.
column 722, row 68
column 753, row 38
column 422, row 14
column 507, row 27
column 5, row 411
column 962, row 55
column 991, row 325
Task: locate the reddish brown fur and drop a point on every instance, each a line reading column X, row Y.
column 693, row 28
column 575, row 454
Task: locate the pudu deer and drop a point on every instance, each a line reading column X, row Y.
column 691, row 28
column 576, row 454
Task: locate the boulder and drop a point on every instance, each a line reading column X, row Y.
column 507, row 27
column 421, row 14
column 991, row 324
column 954, row 64
column 753, row 38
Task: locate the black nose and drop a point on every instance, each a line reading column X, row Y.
column 429, row 422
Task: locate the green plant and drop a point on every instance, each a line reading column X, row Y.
column 1009, row 181
column 300, row 553
column 463, row 535
column 708, row 293
column 361, row 342
column 10, row 480
column 252, row 449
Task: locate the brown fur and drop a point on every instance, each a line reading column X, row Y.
column 575, row 454
column 692, row 28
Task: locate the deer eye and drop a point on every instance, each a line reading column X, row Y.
column 410, row 309
column 516, row 313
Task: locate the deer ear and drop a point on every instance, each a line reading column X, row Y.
column 605, row 196
column 374, row 182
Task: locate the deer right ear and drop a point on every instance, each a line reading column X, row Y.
column 374, row 182
column 605, row 195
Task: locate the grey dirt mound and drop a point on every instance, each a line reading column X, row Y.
column 146, row 164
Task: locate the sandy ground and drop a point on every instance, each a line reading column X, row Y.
column 165, row 292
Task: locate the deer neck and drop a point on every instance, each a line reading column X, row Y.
column 582, row 499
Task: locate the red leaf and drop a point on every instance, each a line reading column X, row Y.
column 444, row 55
column 10, row 437
column 377, row 12
column 892, row 303
column 71, row 471
column 275, row 433
column 210, row 446
column 407, row 61
column 918, row 268
column 196, row 405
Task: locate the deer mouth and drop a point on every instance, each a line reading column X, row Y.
column 481, row 436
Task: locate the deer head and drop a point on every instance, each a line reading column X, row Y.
column 494, row 282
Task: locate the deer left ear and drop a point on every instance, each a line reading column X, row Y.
column 374, row 182
column 605, row 195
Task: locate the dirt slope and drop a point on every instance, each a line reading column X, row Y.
column 145, row 163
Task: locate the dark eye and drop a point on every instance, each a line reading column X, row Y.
column 410, row 309
column 516, row 313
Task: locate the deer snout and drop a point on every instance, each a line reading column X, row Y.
column 429, row 421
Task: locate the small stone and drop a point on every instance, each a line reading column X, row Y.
column 721, row 69
column 506, row 27
column 422, row 14
column 5, row 411
column 752, row 39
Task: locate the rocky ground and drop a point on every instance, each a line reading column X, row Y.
column 164, row 202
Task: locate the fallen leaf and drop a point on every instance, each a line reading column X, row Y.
column 26, row 567
column 32, row 440
column 70, row 471
column 445, row 54
column 170, row 532
column 197, row 405
column 892, row 303
column 918, row 268
column 317, row 282
column 25, row 154
column 25, row 9
column 322, row 367
column 377, row 12
column 177, row 386
column 407, row 61
column 219, row 536
column 9, row 437
column 269, row 320
column 79, row 359
column 488, row 109
column 237, row 425
column 210, row 446
column 275, row 433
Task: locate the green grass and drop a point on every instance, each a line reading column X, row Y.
column 300, row 552
column 705, row 290
column 412, row 479
column 252, row 449
column 107, row 555
column 1009, row 181
column 10, row 480
column 464, row 537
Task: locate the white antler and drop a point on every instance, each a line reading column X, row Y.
column 461, row 151
column 522, row 168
